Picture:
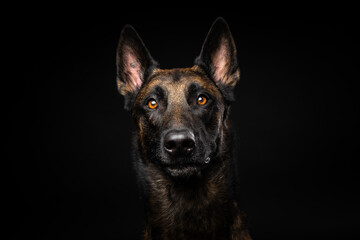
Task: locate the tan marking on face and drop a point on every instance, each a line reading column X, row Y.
column 176, row 91
column 141, row 135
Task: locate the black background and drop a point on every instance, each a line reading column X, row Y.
column 68, row 138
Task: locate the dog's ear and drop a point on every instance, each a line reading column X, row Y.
column 218, row 58
column 134, row 63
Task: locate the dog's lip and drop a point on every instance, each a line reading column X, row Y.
column 183, row 165
column 184, row 168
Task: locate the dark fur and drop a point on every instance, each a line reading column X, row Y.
column 189, row 195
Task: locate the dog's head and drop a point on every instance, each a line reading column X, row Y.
column 180, row 113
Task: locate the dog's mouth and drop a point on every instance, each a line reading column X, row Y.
column 186, row 170
column 183, row 171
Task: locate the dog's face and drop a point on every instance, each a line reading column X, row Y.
column 180, row 113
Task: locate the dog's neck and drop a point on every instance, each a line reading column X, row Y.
column 194, row 209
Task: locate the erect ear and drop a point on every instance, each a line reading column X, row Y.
column 134, row 64
column 218, row 57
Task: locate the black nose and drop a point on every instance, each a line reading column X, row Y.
column 179, row 143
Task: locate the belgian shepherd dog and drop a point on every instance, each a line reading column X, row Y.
column 183, row 141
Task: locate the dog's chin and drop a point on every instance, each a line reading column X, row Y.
column 184, row 167
column 184, row 172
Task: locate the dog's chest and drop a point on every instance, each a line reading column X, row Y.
column 179, row 213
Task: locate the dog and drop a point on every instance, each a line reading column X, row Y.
column 183, row 140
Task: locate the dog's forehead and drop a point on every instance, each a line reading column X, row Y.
column 177, row 81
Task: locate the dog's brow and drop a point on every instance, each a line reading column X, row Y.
column 193, row 87
column 158, row 91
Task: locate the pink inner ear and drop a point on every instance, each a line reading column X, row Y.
column 133, row 69
column 220, row 60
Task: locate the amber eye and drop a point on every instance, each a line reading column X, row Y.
column 152, row 104
column 202, row 100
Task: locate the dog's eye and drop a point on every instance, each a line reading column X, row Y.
column 152, row 104
column 202, row 100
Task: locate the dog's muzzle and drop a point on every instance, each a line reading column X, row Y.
column 184, row 156
column 179, row 143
